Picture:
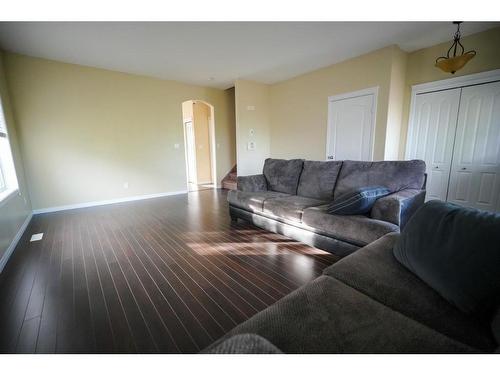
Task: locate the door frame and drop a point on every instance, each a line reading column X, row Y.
column 212, row 142
column 186, row 152
column 350, row 95
column 446, row 84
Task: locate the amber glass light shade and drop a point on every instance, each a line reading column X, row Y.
column 452, row 64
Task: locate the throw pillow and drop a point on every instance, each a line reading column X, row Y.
column 358, row 201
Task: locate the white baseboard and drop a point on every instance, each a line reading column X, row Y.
column 13, row 244
column 105, row 202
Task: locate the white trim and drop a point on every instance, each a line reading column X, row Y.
column 106, row 202
column 355, row 94
column 455, row 82
column 446, row 84
column 13, row 244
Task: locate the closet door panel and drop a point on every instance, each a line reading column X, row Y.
column 431, row 137
column 475, row 172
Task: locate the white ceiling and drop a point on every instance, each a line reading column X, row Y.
column 217, row 53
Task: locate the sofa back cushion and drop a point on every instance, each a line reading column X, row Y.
column 283, row 175
column 394, row 175
column 456, row 251
column 318, row 179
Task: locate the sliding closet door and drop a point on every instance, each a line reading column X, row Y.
column 475, row 173
column 431, row 135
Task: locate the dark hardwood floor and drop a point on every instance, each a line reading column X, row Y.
column 167, row 275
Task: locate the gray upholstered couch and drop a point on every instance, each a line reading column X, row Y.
column 290, row 197
column 365, row 303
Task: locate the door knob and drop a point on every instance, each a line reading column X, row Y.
column 436, row 167
column 463, row 168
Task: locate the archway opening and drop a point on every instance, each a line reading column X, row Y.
column 199, row 145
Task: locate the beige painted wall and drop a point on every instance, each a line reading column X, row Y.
column 395, row 104
column 85, row 132
column 252, row 113
column 299, row 106
column 421, row 68
column 201, row 117
column 15, row 210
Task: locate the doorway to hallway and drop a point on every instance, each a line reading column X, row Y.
column 199, row 139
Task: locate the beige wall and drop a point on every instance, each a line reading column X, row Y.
column 421, row 68
column 395, row 104
column 201, row 117
column 252, row 114
column 85, row 132
column 15, row 210
column 299, row 106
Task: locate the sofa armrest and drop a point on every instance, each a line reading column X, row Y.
column 256, row 182
column 397, row 208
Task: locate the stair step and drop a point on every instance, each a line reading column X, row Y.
column 229, row 185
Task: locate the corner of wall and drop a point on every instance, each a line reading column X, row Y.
column 252, row 108
column 399, row 60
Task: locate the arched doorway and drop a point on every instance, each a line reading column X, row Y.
column 199, row 144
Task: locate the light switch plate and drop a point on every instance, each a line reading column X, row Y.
column 176, row 145
column 250, row 108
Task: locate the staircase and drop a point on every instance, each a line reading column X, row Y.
column 229, row 181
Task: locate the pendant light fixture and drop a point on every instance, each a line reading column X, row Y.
column 456, row 61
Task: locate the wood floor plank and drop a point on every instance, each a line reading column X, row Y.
column 167, row 275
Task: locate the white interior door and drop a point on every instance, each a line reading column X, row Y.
column 190, row 152
column 431, row 136
column 351, row 123
column 475, row 172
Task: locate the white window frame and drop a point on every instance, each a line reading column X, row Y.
column 7, row 168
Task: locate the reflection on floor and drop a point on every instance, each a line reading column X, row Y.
column 198, row 187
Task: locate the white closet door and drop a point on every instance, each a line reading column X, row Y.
column 350, row 128
column 475, row 173
column 431, row 136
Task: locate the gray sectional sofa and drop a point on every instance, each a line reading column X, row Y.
column 434, row 287
column 290, row 197
column 367, row 303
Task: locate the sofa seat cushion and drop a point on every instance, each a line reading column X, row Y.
column 356, row 229
column 283, row 175
column 374, row 271
column 327, row 316
column 251, row 201
column 395, row 175
column 290, row 207
column 318, row 179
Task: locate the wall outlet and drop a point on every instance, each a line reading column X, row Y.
column 176, row 145
column 125, row 185
column 251, row 146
